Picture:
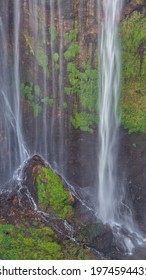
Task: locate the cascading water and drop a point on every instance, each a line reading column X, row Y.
column 12, row 148
column 30, row 111
column 108, row 112
column 111, row 194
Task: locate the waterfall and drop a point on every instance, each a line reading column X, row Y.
column 12, row 147
column 109, row 94
column 17, row 110
column 111, row 207
column 31, row 93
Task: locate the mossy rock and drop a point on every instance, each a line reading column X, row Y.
column 74, row 251
column 29, row 244
column 38, row 243
column 52, row 197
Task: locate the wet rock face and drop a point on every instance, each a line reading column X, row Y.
column 96, row 236
column 133, row 159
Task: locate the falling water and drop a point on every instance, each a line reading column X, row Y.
column 111, row 194
column 17, row 113
column 12, row 147
column 108, row 111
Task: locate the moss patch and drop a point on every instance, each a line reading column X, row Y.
column 52, row 196
column 133, row 34
column 25, row 244
column 38, row 243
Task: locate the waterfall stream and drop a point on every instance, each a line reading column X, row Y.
column 111, row 207
column 109, row 94
column 12, row 147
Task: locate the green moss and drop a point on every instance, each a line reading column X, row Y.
column 34, row 96
column 28, row 244
column 64, row 105
column 42, row 60
column 72, row 51
column 84, row 121
column 133, row 103
column 82, row 82
column 71, row 36
column 56, row 57
column 53, row 32
column 38, row 243
column 51, row 194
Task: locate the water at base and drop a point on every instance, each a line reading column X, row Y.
column 111, row 208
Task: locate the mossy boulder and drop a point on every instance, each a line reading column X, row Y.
column 52, row 197
column 28, row 243
column 38, row 242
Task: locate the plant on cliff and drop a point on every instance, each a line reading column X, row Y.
column 35, row 98
column 82, row 82
column 133, row 35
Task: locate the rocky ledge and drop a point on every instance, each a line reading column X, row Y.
column 42, row 218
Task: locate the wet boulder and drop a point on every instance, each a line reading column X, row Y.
column 97, row 236
column 47, row 189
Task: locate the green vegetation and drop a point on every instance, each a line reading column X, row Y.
column 35, row 98
column 38, row 243
column 82, row 82
column 72, row 51
column 53, row 33
column 133, row 35
column 64, row 105
column 83, row 120
column 42, row 60
column 28, row 244
column 56, row 57
column 41, row 56
column 52, row 197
